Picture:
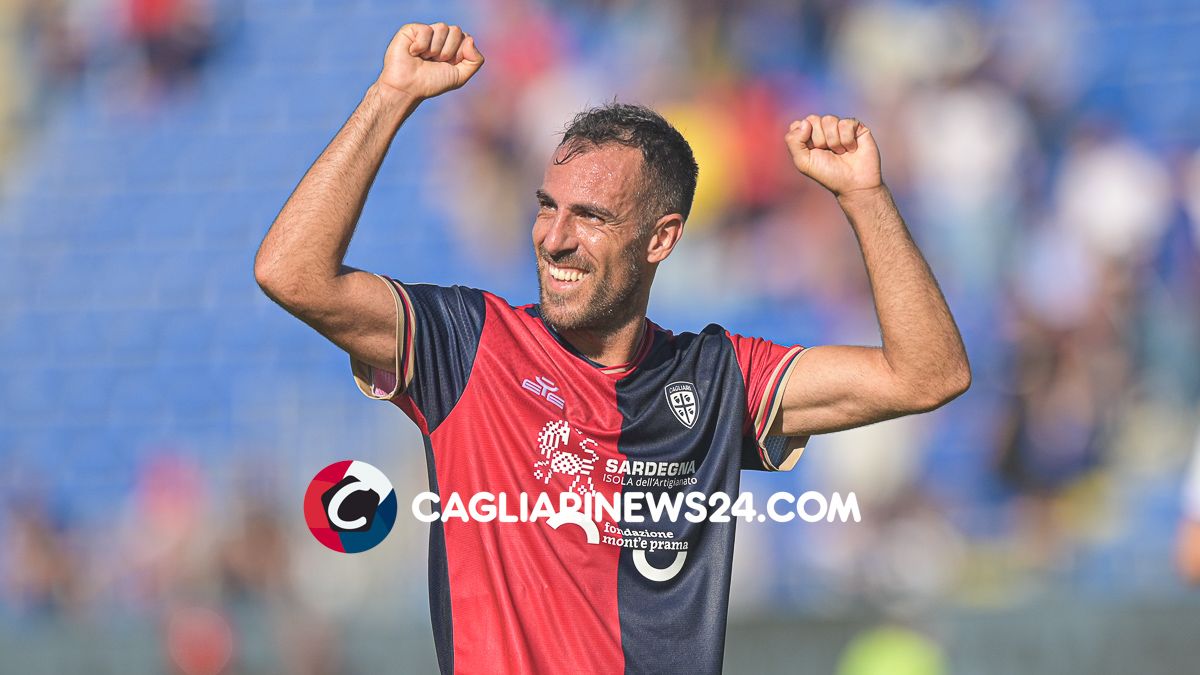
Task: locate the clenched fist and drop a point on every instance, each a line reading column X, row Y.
column 426, row 60
column 840, row 154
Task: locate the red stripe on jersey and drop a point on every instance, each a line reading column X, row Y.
column 525, row 597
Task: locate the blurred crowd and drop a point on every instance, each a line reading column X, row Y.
column 205, row 580
column 1064, row 229
column 141, row 48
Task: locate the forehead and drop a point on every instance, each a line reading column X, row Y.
column 609, row 173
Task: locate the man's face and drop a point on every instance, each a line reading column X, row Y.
column 587, row 238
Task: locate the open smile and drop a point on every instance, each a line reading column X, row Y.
column 565, row 277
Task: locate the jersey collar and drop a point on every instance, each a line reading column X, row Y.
column 647, row 342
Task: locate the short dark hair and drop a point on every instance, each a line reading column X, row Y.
column 669, row 168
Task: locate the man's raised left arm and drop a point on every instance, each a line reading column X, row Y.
column 922, row 363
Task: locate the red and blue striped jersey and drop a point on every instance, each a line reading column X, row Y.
column 506, row 406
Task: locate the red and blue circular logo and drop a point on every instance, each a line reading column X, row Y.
column 350, row 506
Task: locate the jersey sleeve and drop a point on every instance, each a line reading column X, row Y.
column 438, row 330
column 766, row 368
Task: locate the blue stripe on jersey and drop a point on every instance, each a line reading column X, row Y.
column 449, row 323
column 439, row 578
column 677, row 625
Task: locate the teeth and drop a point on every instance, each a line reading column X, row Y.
column 565, row 274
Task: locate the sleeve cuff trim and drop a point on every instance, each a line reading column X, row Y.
column 383, row 385
column 768, row 408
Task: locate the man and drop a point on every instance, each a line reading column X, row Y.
column 582, row 394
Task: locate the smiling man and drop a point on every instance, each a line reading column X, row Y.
column 611, row 207
column 580, row 393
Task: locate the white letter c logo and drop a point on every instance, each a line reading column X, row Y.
column 335, row 505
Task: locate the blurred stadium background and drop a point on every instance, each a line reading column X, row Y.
column 160, row 418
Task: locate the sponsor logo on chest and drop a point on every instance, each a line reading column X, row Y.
column 544, row 387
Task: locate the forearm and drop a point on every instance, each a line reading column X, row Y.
column 306, row 244
column 921, row 343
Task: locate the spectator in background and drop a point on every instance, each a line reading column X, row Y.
column 1075, row 281
column 175, row 37
column 42, row 53
column 1069, row 368
column 507, row 145
column 56, row 46
column 43, row 577
column 14, row 81
column 253, row 558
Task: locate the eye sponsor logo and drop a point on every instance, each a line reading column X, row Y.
column 350, row 506
column 544, row 387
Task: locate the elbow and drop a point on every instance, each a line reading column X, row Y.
column 263, row 267
column 958, row 382
column 262, row 275
column 266, row 276
column 295, row 285
column 274, row 270
column 303, row 295
column 275, row 282
column 933, row 392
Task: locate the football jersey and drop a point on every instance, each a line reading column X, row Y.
column 508, row 407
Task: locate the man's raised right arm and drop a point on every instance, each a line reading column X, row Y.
column 299, row 264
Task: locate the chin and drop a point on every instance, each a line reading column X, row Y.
column 558, row 316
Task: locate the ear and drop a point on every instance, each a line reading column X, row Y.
column 663, row 236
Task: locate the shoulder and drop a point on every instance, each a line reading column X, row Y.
column 709, row 336
column 440, row 292
column 715, row 341
column 706, row 345
column 481, row 308
column 456, row 299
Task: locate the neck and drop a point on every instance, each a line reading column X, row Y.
column 618, row 342
column 609, row 347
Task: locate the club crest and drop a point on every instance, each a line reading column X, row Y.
column 684, row 402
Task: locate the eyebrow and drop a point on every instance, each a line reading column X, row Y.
column 544, row 197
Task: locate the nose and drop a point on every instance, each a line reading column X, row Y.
column 560, row 237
